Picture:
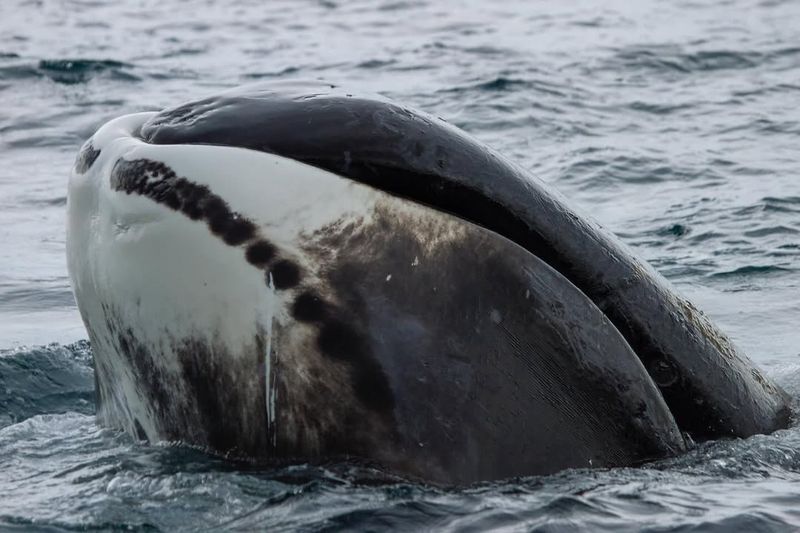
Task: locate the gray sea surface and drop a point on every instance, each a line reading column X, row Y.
column 676, row 124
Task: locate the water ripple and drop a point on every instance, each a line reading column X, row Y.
column 68, row 71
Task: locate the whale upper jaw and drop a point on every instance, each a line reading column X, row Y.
column 258, row 306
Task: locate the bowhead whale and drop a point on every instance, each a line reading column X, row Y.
column 293, row 272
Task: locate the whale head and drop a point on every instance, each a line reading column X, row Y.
column 294, row 272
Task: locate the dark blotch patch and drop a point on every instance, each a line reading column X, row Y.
column 285, row 274
column 218, row 405
column 309, row 307
column 372, row 386
column 240, row 230
column 230, row 226
column 140, row 434
column 217, row 214
column 191, row 196
column 141, row 362
column 206, row 382
column 86, row 158
column 260, row 253
column 338, row 340
column 172, row 200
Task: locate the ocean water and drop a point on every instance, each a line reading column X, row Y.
column 676, row 124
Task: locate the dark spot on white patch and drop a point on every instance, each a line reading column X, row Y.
column 285, row 274
column 86, row 158
column 239, row 231
column 260, row 253
column 309, row 307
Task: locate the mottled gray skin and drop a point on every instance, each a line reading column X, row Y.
column 498, row 366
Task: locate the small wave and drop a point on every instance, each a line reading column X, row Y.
column 57, row 201
column 72, row 71
column 676, row 230
column 778, row 88
column 674, row 59
column 771, row 230
column 508, row 84
column 751, row 270
column 788, row 204
column 659, row 109
column 44, row 295
column 376, row 63
column 397, row 6
column 632, row 169
column 707, row 236
column 68, row 71
column 763, row 126
column 500, row 84
column 288, row 71
column 45, row 379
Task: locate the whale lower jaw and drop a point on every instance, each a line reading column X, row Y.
column 261, row 307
